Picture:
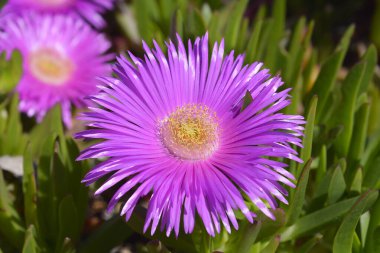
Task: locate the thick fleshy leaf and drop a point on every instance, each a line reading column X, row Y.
column 13, row 134
column 30, row 244
column 307, row 141
column 344, row 237
column 317, row 219
column 272, row 245
column 182, row 243
column 234, row 24
column 276, row 33
column 328, row 74
column 29, row 189
column 242, row 241
column 297, row 201
column 11, row 225
column 360, row 133
column 50, row 125
column 308, row 245
column 111, row 233
column 10, row 71
column 345, row 115
column 322, row 164
column 337, row 185
column 370, row 57
column 253, row 41
column 68, row 220
column 271, row 227
column 372, row 244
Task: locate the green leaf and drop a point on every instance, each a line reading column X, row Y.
column 297, row 201
column 69, row 227
column 183, row 243
column 344, row 237
column 146, row 11
column 68, row 177
column 47, row 202
column 271, row 227
column 51, row 124
column 372, row 244
column 308, row 245
column 253, row 42
column 201, row 239
column 242, row 241
column 298, row 47
column 327, row 76
column 337, row 186
column 264, row 40
column 67, row 246
column 372, row 175
column 233, row 25
column 272, row 245
column 357, row 181
column 294, row 47
column 243, row 33
column 345, row 115
column 29, row 189
column 309, row 130
column 359, row 133
column 215, row 26
column 296, row 94
column 364, row 224
column 322, row 164
column 13, row 134
column 127, row 22
column 370, row 57
column 309, row 74
column 276, row 34
column 2, row 3
column 246, row 100
column 11, row 226
column 30, row 244
column 177, row 24
column 107, row 236
column 317, row 219
column 10, row 71
column 196, row 24
column 372, row 150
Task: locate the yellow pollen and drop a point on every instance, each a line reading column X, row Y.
column 50, row 67
column 190, row 132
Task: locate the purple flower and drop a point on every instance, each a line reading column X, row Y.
column 173, row 130
column 61, row 58
column 88, row 9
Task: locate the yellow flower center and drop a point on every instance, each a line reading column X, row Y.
column 50, row 67
column 190, row 132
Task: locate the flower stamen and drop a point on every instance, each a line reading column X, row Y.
column 190, row 132
column 51, row 67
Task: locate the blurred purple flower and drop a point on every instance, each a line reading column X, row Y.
column 90, row 10
column 62, row 56
column 172, row 129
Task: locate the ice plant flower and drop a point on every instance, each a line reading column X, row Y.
column 62, row 56
column 90, row 10
column 173, row 130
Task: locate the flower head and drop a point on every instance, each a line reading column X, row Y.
column 62, row 56
column 173, row 130
column 90, row 10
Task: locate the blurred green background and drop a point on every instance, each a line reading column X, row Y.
column 331, row 66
